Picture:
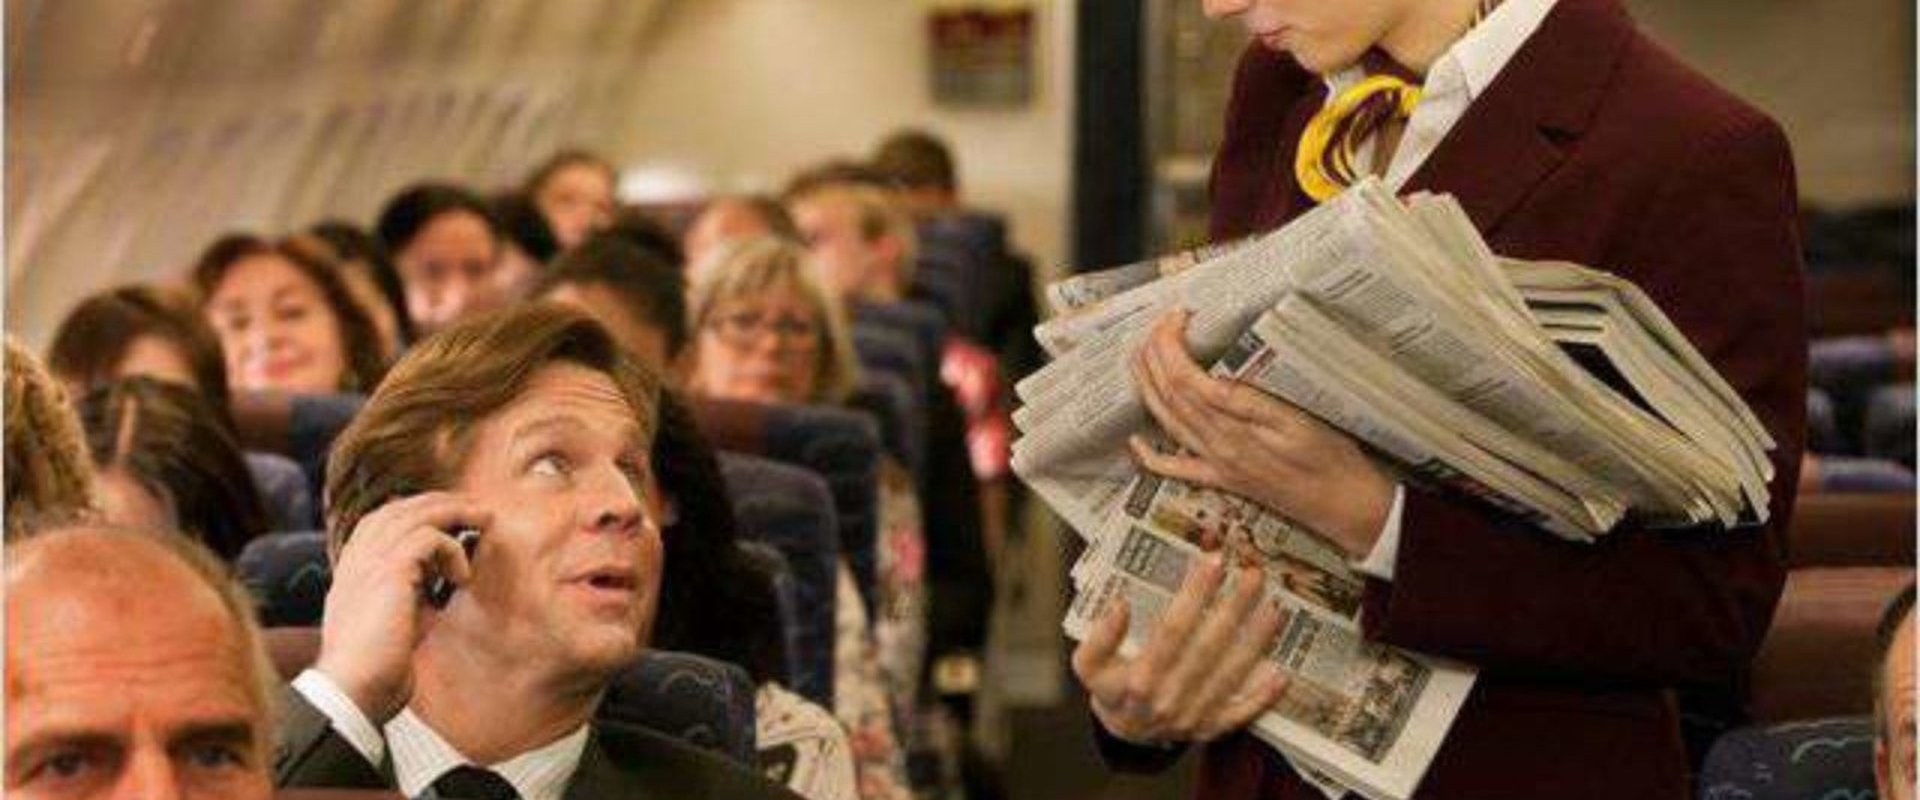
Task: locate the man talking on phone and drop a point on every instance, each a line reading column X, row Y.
column 532, row 429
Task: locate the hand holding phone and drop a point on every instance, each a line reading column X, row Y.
column 379, row 606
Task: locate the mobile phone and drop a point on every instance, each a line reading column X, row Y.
column 439, row 590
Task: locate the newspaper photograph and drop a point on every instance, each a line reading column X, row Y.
column 1306, row 566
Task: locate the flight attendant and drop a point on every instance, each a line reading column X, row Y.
column 1566, row 134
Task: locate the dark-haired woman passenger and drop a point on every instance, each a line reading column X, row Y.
column 446, row 246
column 716, row 602
column 574, row 189
column 285, row 320
column 163, row 459
column 158, row 332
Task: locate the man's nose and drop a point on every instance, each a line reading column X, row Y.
column 149, row 775
column 616, row 503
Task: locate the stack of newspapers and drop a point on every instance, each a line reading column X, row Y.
column 1553, row 392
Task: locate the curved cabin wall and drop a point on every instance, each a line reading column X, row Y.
column 738, row 94
column 138, row 130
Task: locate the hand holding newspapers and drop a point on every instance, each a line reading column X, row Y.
column 1550, row 391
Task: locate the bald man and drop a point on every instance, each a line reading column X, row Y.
column 731, row 219
column 134, row 670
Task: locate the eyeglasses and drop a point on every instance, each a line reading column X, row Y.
column 740, row 329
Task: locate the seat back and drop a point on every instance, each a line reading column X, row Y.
column 1792, row 761
column 791, row 509
column 1852, row 529
column 288, row 574
column 890, row 348
column 1818, row 657
column 698, row 700
column 285, row 490
column 895, row 408
column 786, row 594
column 842, row 446
column 924, row 323
column 943, row 280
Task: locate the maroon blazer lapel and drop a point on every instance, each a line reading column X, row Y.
column 1519, row 130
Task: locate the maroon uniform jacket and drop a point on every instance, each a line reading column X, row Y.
column 1595, row 146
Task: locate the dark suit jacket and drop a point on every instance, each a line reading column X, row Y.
column 1593, row 145
column 621, row 761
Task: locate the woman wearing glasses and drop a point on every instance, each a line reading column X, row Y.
column 765, row 331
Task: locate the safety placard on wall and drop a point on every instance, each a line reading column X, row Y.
column 982, row 54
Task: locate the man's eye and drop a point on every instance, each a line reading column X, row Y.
column 636, row 470
column 215, row 756
column 65, row 765
column 550, row 465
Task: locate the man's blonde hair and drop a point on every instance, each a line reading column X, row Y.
column 47, row 468
column 764, row 264
column 414, row 433
column 877, row 213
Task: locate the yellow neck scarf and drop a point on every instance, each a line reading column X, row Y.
column 1324, row 164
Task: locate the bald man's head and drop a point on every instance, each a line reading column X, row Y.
column 134, row 668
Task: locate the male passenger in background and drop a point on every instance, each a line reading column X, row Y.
column 446, row 246
column 1566, row 134
column 640, row 299
column 1893, row 696
column 922, row 167
column 533, row 428
column 134, row 670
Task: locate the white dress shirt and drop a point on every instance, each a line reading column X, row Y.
column 1455, row 80
column 421, row 755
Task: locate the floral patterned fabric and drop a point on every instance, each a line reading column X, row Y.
column 900, row 625
column 801, row 745
column 861, row 702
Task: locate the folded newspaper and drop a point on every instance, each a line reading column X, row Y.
column 1550, row 391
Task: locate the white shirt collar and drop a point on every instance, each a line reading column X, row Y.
column 1476, row 58
column 420, row 756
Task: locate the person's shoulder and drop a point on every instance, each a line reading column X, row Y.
column 633, row 760
column 1679, row 97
